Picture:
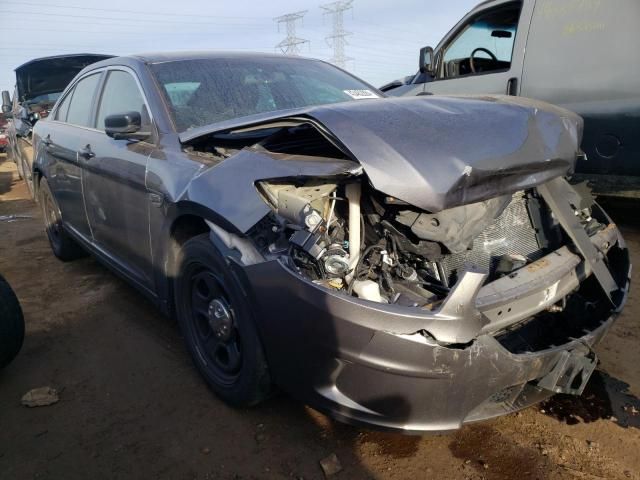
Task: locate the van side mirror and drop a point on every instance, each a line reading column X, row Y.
column 425, row 62
column 126, row 125
column 6, row 102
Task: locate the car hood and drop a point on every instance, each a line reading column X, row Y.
column 51, row 74
column 440, row 152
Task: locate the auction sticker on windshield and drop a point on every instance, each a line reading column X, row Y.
column 361, row 94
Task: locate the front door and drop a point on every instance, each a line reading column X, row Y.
column 484, row 53
column 115, row 192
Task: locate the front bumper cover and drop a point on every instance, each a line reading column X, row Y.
column 322, row 347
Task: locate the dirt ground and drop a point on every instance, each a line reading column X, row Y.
column 132, row 405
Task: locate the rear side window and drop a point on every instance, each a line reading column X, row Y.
column 121, row 95
column 61, row 114
column 82, row 100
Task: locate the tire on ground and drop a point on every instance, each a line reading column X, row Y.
column 11, row 324
column 252, row 383
column 63, row 245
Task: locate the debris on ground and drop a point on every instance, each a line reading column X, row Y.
column 13, row 218
column 330, row 465
column 40, row 397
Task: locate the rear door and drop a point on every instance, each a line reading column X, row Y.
column 115, row 192
column 484, row 52
column 68, row 133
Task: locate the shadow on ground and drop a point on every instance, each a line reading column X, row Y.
column 604, row 398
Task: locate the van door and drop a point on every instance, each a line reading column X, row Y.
column 584, row 56
column 484, row 52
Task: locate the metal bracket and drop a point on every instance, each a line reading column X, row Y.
column 554, row 193
column 562, row 377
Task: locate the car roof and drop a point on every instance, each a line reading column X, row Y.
column 163, row 57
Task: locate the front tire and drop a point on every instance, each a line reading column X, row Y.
column 218, row 325
column 11, row 324
column 63, row 245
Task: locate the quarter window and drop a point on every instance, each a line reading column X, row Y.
column 82, row 101
column 120, row 95
column 61, row 114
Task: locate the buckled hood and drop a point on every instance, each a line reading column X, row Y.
column 441, row 152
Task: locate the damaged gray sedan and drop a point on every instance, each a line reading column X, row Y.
column 409, row 264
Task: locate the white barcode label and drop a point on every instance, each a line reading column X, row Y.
column 361, row 94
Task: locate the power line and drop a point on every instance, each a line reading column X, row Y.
column 337, row 39
column 120, row 19
column 143, row 12
column 119, row 32
column 290, row 45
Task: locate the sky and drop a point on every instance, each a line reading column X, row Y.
column 386, row 35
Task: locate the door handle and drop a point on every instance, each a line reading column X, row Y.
column 86, row 152
column 512, row 86
column 46, row 141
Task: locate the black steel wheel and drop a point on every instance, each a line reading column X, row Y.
column 64, row 247
column 218, row 325
column 213, row 321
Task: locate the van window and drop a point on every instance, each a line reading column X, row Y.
column 483, row 45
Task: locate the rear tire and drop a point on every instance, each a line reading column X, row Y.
column 11, row 324
column 63, row 245
column 218, row 326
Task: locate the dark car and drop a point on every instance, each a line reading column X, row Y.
column 400, row 263
column 39, row 83
column 575, row 54
column 11, row 324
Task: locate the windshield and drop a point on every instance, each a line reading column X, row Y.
column 205, row 91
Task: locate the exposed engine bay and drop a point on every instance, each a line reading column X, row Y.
column 346, row 236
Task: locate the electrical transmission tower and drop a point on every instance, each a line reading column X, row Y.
column 290, row 45
column 337, row 40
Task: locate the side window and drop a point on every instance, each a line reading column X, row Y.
column 82, row 100
column 484, row 45
column 120, row 95
column 61, row 114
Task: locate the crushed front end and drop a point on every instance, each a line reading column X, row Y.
column 418, row 336
column 421, row 312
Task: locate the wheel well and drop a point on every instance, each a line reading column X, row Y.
column 183, row 228
column 187, row 227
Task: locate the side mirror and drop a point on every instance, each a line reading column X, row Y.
column 425, row 62
column 391, row 85
column 6, row 102
column 125, row 126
